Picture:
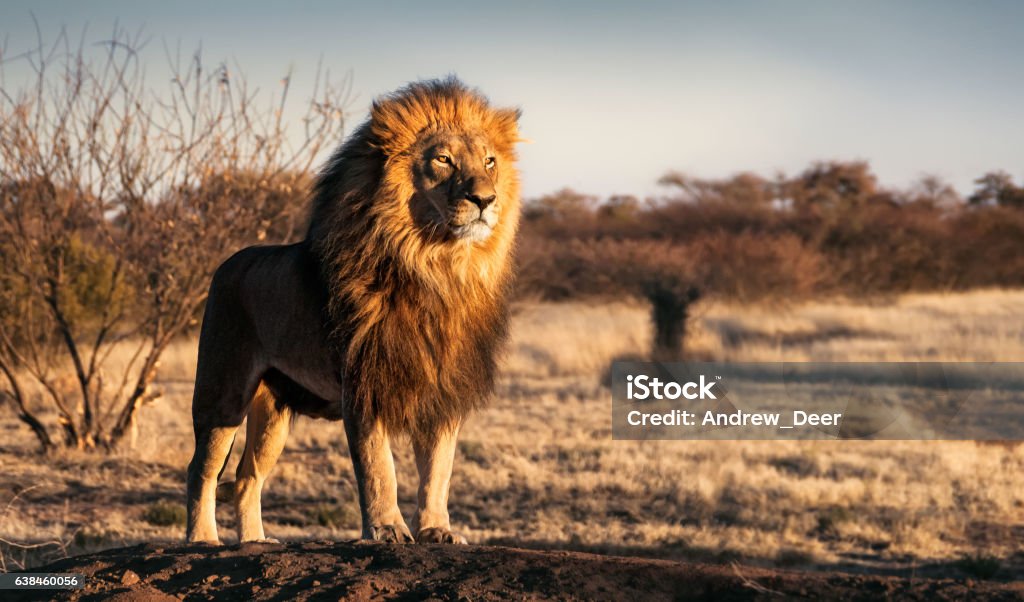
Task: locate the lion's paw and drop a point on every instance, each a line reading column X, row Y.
column 390, row 534
column 203, row 542
column 439, row 535
column 257, row 546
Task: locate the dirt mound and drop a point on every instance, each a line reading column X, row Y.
column 331, row 570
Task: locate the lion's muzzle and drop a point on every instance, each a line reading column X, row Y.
column 476, row 212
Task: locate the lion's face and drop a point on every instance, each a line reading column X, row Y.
column 456, row 177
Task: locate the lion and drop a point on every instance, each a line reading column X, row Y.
column 388, row 315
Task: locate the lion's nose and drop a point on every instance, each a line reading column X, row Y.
column 481, row 201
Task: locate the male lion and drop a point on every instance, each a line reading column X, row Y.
column 388, row 315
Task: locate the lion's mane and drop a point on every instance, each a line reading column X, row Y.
column 418, row 318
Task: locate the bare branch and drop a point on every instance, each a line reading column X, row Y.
column 118, row 199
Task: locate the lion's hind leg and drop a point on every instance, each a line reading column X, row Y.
column 213, row 446
column 222, row 396
column 266, row 433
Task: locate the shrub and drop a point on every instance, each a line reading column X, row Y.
column 980, row 565
column 336, row 516
column 165, row 514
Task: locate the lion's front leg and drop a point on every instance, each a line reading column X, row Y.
column 435, row 456
column 370, row 448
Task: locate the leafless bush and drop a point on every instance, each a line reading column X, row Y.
column 117, row 199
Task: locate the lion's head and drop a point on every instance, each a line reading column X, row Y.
column 413, row 223
column 434, row 166
column 456, row 177
column 450, row 154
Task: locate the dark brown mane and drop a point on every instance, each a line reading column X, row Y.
column 418, row 321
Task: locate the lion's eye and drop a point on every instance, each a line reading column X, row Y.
column 489, row 163
column 444, row 159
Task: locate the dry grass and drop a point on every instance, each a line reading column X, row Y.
column 539, row 467
column 979, row 326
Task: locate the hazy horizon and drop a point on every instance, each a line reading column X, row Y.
column 615, row 96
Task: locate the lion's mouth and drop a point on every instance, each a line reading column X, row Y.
column 474, row 231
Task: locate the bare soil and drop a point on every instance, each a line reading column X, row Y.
column 357, row 570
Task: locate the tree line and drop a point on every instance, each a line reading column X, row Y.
column 832, row 229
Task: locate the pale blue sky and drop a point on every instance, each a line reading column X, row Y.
column 615, row 94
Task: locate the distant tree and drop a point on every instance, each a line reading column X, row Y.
column 691, row 190
column 565, row 205
column 747, row 188
column 670, row 299
column 621, row 207
column 833, row 184
column 744, row 188
column 997, row 188
column 933, row 191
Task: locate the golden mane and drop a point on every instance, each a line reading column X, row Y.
column 417, row 317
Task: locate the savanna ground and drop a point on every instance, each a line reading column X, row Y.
column 539, row 469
